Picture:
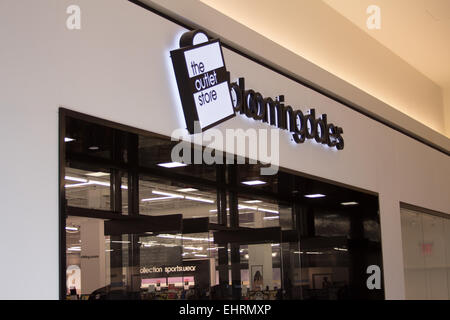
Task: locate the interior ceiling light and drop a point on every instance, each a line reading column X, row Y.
column 89, row 182
column 350, row 203
column 93, row 148
column 71, row 229
column 187, row 190
column 173, row 236
column 156, row 199
column 314, row 195
column 66, row 139
column 75, row 179
column 199, row 199
column 240, row 206
column 76, row 185
column 253, row 201
column 97, row 174
column 254, row 182
column 172, row 164
column 314, row 252
column 163, row 193
column 271, row 218
column 193, row 248
column 215, row 210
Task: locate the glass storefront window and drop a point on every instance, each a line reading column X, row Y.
column 87, row 189
column 426, row 255
column 163, row 197
column 259, row 213
column 138, row 228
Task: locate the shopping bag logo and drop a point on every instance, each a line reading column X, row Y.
column 203, row 81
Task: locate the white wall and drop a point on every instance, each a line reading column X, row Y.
column 446, row 97
column 117, row 67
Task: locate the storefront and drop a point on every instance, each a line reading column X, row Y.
column 136, row 223
column 142, row 226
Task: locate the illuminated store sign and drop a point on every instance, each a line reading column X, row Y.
column 274, row 112
column 208, row 96
column 203, row 81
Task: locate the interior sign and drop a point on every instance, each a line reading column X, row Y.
column 203, row 81
column 208, row 96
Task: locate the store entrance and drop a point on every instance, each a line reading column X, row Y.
column 136, row 225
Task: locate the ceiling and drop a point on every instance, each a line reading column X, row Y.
column 418, row 31
column 406, row 67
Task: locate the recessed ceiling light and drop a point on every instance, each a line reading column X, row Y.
column 156, row 199
column 93, row 148
column 240, row 206
column 172, row 164
column 350, row 203
column 199, row 199
column 163, row 193
column 253, row 201
column 71, row 228
column 253, row 182
column 215, row 210
column 75, row 179
column 315, row 195
column 97, row 174
column 193, row 248
column 88, row 182
column 187, row 190
column 77, row 185
column 66, row 139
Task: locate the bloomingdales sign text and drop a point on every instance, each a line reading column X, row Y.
column 208, row 97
